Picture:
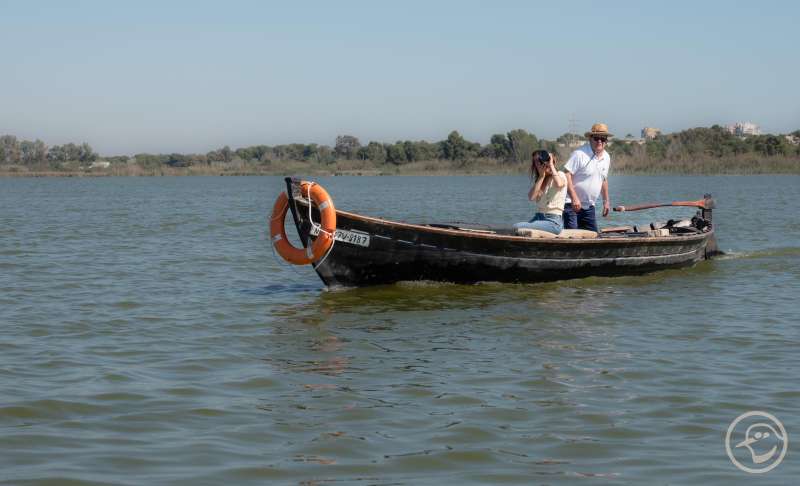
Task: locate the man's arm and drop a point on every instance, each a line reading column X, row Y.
column 606, row 200
column 572, row 165
column 576, row 203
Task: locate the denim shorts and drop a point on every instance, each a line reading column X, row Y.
column 552, row 223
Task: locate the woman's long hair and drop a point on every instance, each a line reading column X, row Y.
column 535, row 160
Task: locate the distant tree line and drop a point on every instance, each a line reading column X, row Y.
column 25, row 152
column 513, row 147
column 716, row 142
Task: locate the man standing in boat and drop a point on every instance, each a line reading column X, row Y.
column 587, row 177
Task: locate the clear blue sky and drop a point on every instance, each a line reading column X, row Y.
column 175, row 76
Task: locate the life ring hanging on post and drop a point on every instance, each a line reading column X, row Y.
column 324, row 239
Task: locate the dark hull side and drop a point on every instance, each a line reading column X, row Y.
column 406, row 252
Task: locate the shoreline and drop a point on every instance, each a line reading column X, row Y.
column 351, row 173
column 622, row 165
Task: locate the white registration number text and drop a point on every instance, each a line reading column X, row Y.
column 352, row 237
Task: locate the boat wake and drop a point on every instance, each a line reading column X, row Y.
column 765, row 253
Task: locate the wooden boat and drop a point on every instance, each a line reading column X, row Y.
column 369, row 251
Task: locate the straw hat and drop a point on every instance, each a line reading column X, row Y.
column 599, row 130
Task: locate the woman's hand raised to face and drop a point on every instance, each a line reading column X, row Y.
column 540, row 168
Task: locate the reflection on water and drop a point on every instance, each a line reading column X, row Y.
column 579, row 297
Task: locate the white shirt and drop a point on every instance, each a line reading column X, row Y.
column 588, row 173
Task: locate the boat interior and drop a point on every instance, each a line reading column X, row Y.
column 655, row 229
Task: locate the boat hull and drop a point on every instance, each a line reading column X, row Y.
column 409, row 252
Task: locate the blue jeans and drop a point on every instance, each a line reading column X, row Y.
column 583, row 219
column 551, row 223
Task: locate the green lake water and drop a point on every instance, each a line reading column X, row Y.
column 149, row 335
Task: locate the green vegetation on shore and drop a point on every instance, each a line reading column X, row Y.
column 695, row 151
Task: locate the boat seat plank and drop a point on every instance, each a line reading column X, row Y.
column 565, row 234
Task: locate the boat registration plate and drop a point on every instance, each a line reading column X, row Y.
column 353, row 237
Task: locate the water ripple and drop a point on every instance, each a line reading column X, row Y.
column 147, row 335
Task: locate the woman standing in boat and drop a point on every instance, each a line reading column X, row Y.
column 549, row 190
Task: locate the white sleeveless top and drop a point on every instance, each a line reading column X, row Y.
column 552, row 201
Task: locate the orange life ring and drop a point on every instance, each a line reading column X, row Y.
column 323, row 241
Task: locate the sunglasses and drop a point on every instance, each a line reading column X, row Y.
column 600, row 139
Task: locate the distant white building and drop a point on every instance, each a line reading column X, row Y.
column 571, row 140
column 649, row 133
column 100, row 164
column 741, row 129
column 628, row 140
